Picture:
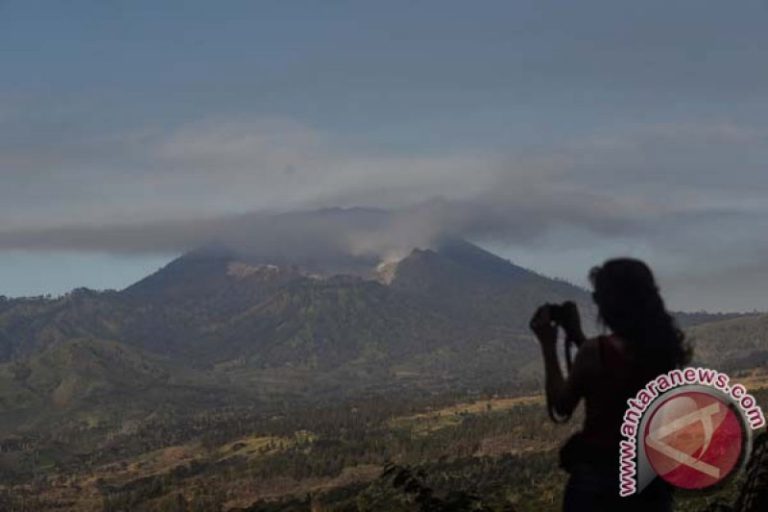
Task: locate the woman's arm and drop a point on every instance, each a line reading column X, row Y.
column 563, row 394
column 558, row 395
column 572, row 324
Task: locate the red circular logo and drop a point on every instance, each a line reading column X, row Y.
column 693, row 440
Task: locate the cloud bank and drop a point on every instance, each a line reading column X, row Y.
column 155, row 192
column 689, row 197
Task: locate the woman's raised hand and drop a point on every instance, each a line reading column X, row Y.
column 542, row 326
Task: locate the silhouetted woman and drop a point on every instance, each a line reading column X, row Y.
column 643, row 342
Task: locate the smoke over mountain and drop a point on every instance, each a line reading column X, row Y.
column 157, row 193
column 342, row 231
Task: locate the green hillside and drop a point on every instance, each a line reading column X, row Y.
column 452, row 319
column 733, row 344
column 221, row 379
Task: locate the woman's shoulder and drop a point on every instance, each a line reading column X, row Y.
column 595, row 345
column 600, row 351
column 588, row 357
column 605, row 342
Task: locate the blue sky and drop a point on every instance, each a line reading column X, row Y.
column 598, row 127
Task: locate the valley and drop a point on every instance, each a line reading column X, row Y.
column 223, row 383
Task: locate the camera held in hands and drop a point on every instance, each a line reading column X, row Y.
column 558, row 313
column 566, row 316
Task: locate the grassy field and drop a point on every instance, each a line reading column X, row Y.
column 501, row 446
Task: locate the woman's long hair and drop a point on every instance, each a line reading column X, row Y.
column 629, row 303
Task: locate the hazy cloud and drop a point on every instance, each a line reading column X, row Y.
column 666, row 182
column 542, row 128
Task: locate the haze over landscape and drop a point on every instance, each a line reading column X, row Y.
column 556, row 135
column 283, row 256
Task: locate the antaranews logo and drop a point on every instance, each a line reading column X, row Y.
column 690, row 427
